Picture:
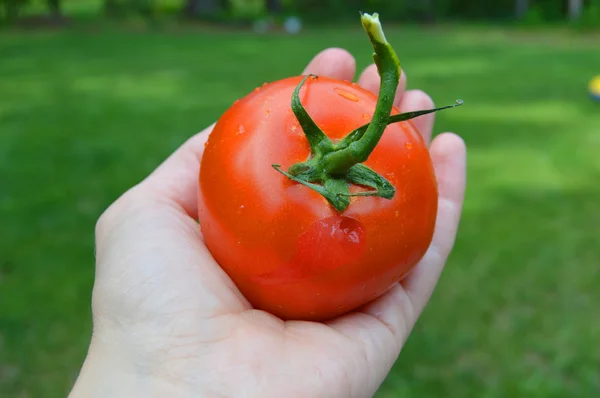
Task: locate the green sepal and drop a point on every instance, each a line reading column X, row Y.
column 401, row 117
column 334, row 190
column 362, row 175
column 319, row 143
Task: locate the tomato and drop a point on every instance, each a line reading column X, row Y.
column 315, row 195
column 288, row 250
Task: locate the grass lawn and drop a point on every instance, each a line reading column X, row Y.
column 84, row 115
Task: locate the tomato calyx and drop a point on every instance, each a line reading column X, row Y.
column 332, row 167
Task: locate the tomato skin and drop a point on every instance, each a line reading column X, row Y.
column 285, row 247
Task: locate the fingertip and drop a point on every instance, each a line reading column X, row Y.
column 334, row 62
column 416, row 100
column 177, row 177
column 448, row 145
column 448, row 153
column 420, row 98
column 401, row 89
column 369, row 79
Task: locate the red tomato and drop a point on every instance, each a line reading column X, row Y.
column 288, row 250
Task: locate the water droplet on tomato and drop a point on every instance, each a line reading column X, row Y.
column 366, row 117
column 408, row 145
column 326, row 245
column 346, row 94
column 330, row 243
column 397, row 213
column 236, row 101
column 264, row 84
column 267, row 111
column 257, row 89
column 240, row 129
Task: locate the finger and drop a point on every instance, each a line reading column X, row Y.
column 384, row 325
column 416, row 100
column 448, row 153
column 176, row 178
column 148, row 251
column 369, row 79
column 335, row 63
column 145, row 233
column 378, row 330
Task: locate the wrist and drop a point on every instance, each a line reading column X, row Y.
column 108, row 372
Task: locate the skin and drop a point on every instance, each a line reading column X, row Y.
column 288, row 250
column 168, row 321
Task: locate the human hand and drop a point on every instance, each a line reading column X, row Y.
column 168, row 321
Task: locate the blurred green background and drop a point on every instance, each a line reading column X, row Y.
column 95, row 94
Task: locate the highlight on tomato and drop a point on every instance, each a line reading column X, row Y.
column 315, row 195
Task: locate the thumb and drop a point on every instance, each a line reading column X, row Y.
column 150, row 257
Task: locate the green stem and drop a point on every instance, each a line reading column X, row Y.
column 331, row 168
column 388, row 67
column 318, row 141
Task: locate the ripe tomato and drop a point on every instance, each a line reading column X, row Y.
column 288, row 250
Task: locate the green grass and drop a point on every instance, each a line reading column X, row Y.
column 84, row 115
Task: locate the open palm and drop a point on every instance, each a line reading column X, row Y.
column 169, row 322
